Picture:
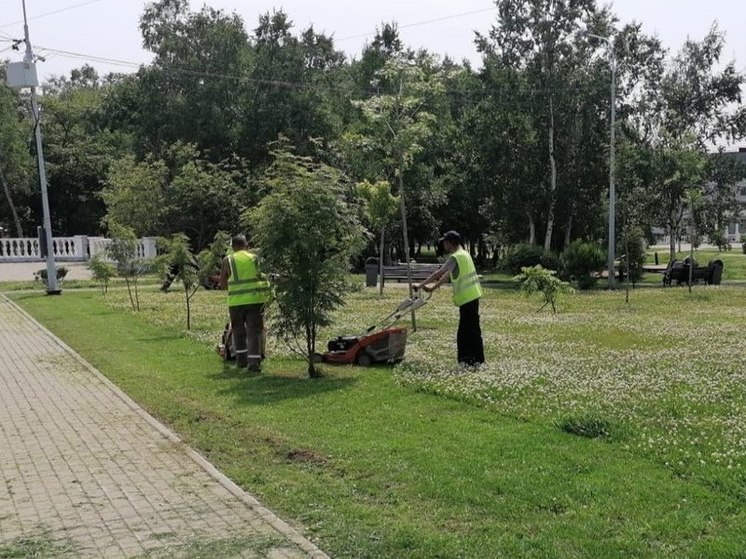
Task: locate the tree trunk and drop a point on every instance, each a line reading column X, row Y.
column 137, row 295
column 626, row 261
column 129, row 291
column 568, row 231
column 672, row 243
column 380, row 262
column 406, row 235
column 553, row 185
column 188, row 309
column 16, row 221
column 531, row 229
column 310, row 348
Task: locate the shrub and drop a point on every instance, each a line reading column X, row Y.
column 537, row 279
column 588, row 426
column 528, row 256
column 101, row 271
column 720, row 240
column 582, row 260
column 123, row 250
column 634, row 247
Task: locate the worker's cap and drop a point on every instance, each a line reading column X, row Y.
column 451, row 237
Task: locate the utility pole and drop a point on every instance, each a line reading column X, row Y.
column 52, row 287
column 612, row 151
column 612, row 183
column 404, row 215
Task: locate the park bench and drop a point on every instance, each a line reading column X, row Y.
column 678, row 271
column 398, row 272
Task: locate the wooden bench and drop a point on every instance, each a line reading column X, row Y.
column 398, row 272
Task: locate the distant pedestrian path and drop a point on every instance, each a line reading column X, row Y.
column 85, row 472
column 24, row 271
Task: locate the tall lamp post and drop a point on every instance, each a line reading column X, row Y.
column 612, row 145
column 20, row 75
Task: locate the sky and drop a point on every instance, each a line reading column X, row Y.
column 109, row 28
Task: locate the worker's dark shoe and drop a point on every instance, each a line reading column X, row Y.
column 254, row 369
column 242, row 361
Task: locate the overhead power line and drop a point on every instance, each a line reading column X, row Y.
column 418, row 23
column 66, row 9
column 522, row 97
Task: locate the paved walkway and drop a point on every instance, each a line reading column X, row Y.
column 85, row 472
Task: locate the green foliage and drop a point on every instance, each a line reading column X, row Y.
column 525, row 256
column 539, row 280
column 588, row 426
column 634, row 255
column 209, row 260
column 582, row 261
column 16, row 166
column 381, row 208
column 390, row 137
column 381, row 205
column 181, row 192
column 308, row 235
column 204, row 198
column 178, row 254
column 79, row 149
column 516, row 150
column 123, row 250
column 101, row 271
column 135, row 195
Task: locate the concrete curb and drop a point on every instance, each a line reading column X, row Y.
column 271, row 518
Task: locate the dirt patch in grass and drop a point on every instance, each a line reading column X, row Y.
column 305, row 456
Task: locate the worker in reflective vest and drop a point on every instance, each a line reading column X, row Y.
column 466, row 294
column 248, row 291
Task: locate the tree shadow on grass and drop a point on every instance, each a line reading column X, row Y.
column 269, row 388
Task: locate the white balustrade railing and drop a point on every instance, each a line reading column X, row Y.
column 67, row 249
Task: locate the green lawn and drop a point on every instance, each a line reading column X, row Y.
column 114, row 283
column 426, row 460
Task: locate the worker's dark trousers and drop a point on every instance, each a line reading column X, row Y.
column 247, row 322
column 469, row 335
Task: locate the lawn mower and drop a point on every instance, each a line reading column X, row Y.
column 227, row 348
column 380, row 343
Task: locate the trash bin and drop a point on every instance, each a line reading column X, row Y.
column 371, row 272
column 715, row 272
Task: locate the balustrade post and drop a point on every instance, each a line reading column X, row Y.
column 149, row 248
column 80, row 247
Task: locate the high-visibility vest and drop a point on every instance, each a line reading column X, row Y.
column 466, row 286
column 246, row 286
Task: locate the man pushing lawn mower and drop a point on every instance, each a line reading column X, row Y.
column 248, row 291
column 466, row 294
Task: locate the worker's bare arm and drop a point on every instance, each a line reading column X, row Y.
column 435, row 276
column 441, row 280
column 225, row 273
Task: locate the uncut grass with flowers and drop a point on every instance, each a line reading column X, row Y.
column 664, row 376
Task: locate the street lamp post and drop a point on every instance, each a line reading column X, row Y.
column 52, row 287
column 612, row 146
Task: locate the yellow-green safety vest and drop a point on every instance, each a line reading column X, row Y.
column 466, row 286
column 246, row 286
